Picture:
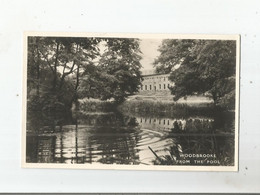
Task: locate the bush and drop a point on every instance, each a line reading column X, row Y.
column 94, row 105
column 165, row 109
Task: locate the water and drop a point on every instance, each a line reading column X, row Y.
column 114, row 138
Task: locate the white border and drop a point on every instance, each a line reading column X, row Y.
column 131, row 167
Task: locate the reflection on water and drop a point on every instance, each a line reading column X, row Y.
column 167, row 124
column 112, row 138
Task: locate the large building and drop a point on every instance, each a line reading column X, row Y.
column 154, row 82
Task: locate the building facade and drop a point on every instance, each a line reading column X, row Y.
column 155, row 82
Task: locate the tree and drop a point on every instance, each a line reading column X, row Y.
column 121, row 66
column 200, row 67
column 173, row 52
column 55, row 65
column 117, row 73
column 63, row 69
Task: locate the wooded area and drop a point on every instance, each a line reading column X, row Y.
column 206, row 67
column 63, row 69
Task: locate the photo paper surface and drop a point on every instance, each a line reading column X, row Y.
column 131, row 101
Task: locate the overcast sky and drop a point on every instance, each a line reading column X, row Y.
column 149, row 48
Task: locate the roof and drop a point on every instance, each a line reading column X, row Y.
column 148, row 72
column 153, row 75
column 151, row 72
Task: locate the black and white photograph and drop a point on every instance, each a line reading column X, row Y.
column 131, row 101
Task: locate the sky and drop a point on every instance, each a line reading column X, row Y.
column 149, row 49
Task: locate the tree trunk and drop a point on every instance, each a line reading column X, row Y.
column 38, row 72
column 75, row 96
column 214, row 97
column 55, row 68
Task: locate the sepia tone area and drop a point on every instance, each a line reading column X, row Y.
column 130, row 101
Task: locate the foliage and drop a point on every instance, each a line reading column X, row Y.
column 54, row 68
column 117, row 74
column 200, row 67
column 222, row 146
column 165, row 109
column 63, row 69
column 94, row 105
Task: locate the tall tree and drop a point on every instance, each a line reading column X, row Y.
column 33, row 64
column 121, row 65
column 117, row 73
column 200, row 67
column 62, row 68
column 55, row 65
column 173, row 52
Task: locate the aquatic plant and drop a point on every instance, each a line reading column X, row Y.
column 163, row 109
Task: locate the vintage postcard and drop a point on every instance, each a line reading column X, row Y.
column 131, row 101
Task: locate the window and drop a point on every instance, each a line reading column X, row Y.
column 154, row 88
column 145, row 87
column 141, row 88
column 164, row 86
column 159, row 86
column 150, row 87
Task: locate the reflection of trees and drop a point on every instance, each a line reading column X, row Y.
column 115, row 136
column 220, row 145
column 196, row 125
column 223, row 122
column 40, row 149
column 109, row 118
column 117, row 143
column 37, row 120
column 193, row 125
column 61, row 147
column 112, row 139
column 117, row 146
column 197, row 136
column 31, row 149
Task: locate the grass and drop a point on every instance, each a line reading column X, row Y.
column 94, row 105
column 166, row 109
column 149, row 108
